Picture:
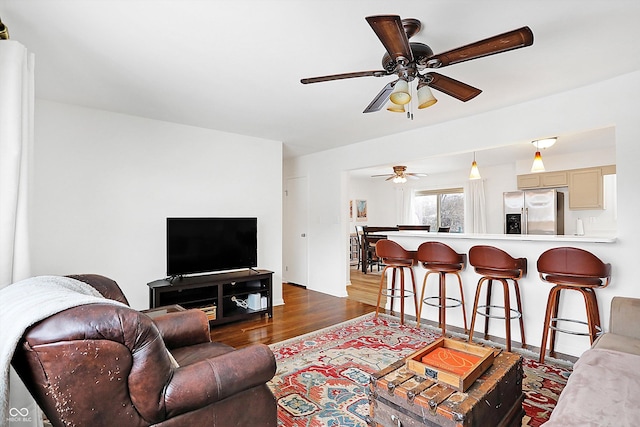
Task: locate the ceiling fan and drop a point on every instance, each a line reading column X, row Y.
column 400, row 175
column 410, row 60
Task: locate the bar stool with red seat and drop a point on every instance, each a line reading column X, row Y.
column 571, row 269
column 396, row 258
column 439, row 258
column 495, row 264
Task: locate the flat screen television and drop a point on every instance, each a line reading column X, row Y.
column 200, row 245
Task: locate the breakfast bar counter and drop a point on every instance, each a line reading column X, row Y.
column 534, row 291
column 427, row 235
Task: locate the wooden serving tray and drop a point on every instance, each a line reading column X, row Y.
column 456, row 364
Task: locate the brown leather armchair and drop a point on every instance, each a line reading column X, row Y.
column 108, row 365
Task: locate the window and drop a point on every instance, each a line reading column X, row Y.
column 440, row 208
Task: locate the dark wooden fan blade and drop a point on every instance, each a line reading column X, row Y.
column 391, row 33
column 375, row 73
column 453, row 87
column 515, row 39
column 380, row 99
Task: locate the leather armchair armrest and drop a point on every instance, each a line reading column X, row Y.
column 183, row 328
column 208, row 381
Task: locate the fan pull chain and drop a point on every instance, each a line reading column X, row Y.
column 410, row 111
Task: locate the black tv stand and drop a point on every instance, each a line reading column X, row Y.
column 172, row 279
column 220, row 295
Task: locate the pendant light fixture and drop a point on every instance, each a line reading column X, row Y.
column 537, row 165
column 475, row 173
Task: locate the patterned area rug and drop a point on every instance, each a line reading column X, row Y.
column 322, row 377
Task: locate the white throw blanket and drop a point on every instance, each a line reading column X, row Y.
column 25, row 303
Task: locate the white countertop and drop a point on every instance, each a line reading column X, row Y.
column 512, row 237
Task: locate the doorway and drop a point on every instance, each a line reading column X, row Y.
column 295, row 231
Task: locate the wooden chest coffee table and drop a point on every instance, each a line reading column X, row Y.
column 400, row 398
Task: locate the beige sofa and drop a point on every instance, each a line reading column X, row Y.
column 604, row 388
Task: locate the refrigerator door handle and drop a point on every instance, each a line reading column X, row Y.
column 525, row 221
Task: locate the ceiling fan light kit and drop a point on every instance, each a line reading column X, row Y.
column 425, row 96
column 4, row 31
column 411, row 61
column 395, row 108
column 400, row 174
column 400, row 94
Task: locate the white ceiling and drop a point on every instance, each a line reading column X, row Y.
column 236, row 65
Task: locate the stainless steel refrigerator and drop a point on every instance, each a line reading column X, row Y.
column 534, row 212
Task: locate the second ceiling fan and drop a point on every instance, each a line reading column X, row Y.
column 412, row 60
column 400, row 175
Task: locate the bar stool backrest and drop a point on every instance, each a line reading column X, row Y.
column 573, row 262
column 390, row 252
column 492, row 258
column 438, row 253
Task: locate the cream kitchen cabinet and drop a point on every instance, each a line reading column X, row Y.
column 542, row 180
column 585, row 189
column 585, row 184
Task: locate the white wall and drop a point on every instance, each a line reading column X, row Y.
column 379, row 211
column 568, row 112
column 105, row 183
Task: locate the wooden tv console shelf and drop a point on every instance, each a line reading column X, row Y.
column 220, row 295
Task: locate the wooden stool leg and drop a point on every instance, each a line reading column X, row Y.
column 551, row 303
column 415, row 291
column 593, row 315
column 463, row 305
column 443, row 302
column 401, row 295
column 475, row 307
column 516, row 288
column 424, row 285
column 382, row 280
column 487, row 309
column 596, row 314
column 393, row 287
column 554, row 317
column 507, row 312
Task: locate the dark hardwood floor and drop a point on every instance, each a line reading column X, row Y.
column 304, row 311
